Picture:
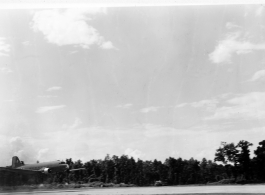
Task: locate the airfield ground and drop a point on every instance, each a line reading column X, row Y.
column 187, row 190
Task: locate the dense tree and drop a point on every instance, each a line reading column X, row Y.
column 238, row 155
column 228, row 153
column 235, row 163
column 244, row 158
column 259, row 161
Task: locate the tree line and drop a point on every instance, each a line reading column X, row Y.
column 232, row 161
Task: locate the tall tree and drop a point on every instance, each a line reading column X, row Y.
column 228, row 153
column 260, row 160
column 244, row 157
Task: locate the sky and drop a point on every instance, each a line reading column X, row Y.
column 147, row 82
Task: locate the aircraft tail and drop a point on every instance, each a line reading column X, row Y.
column 16, row 162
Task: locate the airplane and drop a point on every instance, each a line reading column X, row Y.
column 45, row 167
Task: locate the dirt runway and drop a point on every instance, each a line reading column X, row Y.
column 250, row 189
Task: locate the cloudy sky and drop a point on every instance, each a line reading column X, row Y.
column 148, row 82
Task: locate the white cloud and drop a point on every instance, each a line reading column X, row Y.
column 125, row 106
column 26, row 43
column 95, row 141
column 47, row 96
column 91, row 10
column 250, row 106
column 16, row 143
column 4, row 47
column 165, row 140
column 149, row 109
column 107, row 45
column 202, row 103
column 134, row 153
column 10, row 100
column 209, row 104
column 73, row 52
column 232, row 44
column 231, row 25
column 228, row 111
column 5, row 70
column 55, row 88
column 24, row 148
column 258, row 76
column 69, row 27
column 41, row 153
column 206, row 152
column 259, row 11
column 181, row 105
column 76, row 124
column 49, row 108
column 151, row 130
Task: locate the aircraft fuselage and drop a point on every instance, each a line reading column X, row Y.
column 54, row 166
column 45, row 167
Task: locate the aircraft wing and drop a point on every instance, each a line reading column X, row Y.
column 20, row 171
column 72, row 170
